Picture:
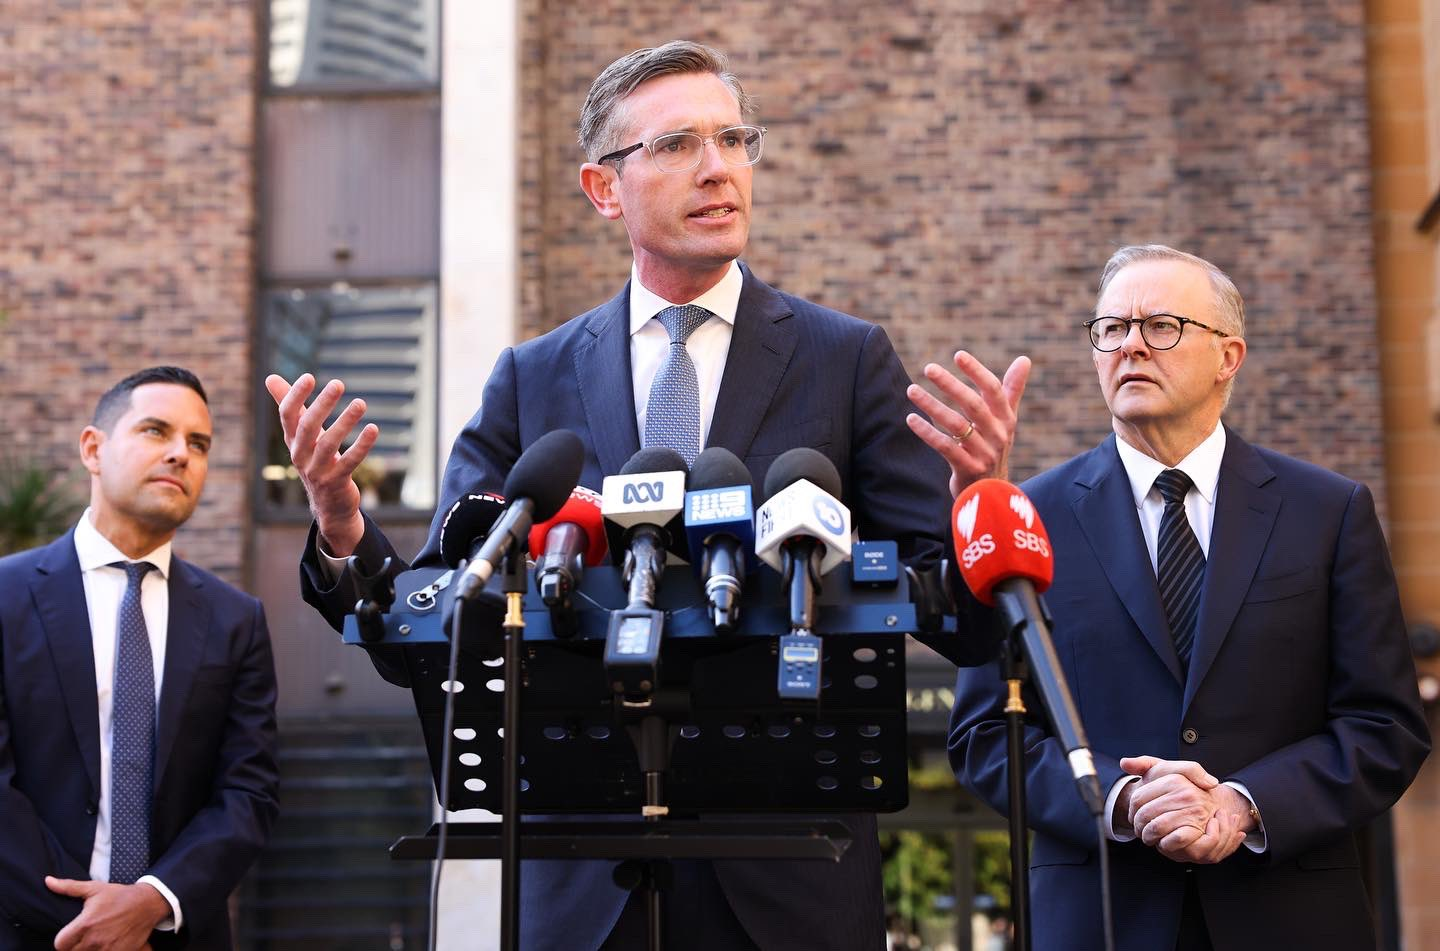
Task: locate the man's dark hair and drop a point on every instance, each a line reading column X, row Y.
column 115, row 401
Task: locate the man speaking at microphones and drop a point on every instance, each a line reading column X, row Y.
column 694, row 351
column 1228, row 622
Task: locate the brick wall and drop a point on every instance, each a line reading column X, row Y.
column 126, row 227
column 959, row 172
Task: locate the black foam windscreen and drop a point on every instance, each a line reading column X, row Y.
column 655, row 459
column 717, row 468
column 546, row 472
column 799, row 463
column 468, row 521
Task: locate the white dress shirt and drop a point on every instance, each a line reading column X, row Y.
column 104, row 589
column 1202, row 465
column 709, row 345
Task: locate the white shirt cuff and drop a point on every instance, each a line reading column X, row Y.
column 1256, row 840
column 330, row 566
column 174, row 922
column 1111, row 832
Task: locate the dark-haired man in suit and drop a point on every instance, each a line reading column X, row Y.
column 1228, row 622
column 694, row 351
column 137, row 698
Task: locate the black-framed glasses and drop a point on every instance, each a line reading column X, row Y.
column 739, row 145
column 1160, row 331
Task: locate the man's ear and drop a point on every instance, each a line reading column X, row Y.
column 599, row 182
column 1232, row 355
column 91, row 439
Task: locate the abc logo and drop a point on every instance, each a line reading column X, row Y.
column 977, row 549
column 1029, row 541
column 643, row 492
column 829, row 515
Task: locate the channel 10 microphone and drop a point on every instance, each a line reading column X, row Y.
column 537, row 486
column 642, row 507
column 802, row 531
column 1006, row 561
column 467, row 524
column 720, row 521
column 566, row 543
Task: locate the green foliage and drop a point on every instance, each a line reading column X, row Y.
column 917, row 868
column 992, row 866
column 34, row 506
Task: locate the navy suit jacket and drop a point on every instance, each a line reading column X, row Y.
column 797, row 374
column 1300, row 686
column 215, row 774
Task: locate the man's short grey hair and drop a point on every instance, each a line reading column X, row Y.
column 603, row 119
column 1229, row 305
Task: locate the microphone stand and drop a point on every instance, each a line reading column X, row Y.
column 514, row 585
column 1016, row 672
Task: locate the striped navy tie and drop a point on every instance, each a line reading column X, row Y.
column 132, row 726
column 1179, row 563
column 672, row 414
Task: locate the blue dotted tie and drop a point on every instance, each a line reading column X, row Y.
column 1179, row 563
column 672, row 415
column 132, row 724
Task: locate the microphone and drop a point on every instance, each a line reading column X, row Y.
column 538, row 484
column 802, row 531
column 720, row 521
column 573, row 538
column 466, row 525
column 1004, row 556
column 642, row 507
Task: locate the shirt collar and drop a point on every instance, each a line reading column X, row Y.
column 97, row 551
column 1202, row 465
column 722, row 300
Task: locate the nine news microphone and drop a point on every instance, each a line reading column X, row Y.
column 566, row 543
column 642, row 507
column 1004, row 557
column 538, row 485
column 802, row 531
column 720, row 521
column 466, row 526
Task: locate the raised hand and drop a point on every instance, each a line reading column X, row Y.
column 972, row 428
column 324, row 469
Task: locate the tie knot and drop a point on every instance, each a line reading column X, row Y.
column 1173, row 485
column 135, row 571
column 681, row 321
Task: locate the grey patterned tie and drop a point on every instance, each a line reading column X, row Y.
column 132, row 724
column 1179, row 563
column 672, row 414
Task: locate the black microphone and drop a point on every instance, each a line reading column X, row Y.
column 538, row 484
column 720, row 521
column 466, row 526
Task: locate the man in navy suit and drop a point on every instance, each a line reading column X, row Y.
column 1229, row 625
column 137, row 699
column 671, row 152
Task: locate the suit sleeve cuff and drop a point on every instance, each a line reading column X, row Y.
column 176, row 920
column 1113, row 834
column 1256, row 840
column 331, row 568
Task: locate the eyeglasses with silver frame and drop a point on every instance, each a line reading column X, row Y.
column 1160, row 331
column 739, row 145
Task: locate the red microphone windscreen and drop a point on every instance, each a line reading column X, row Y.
column 582, row 509
column 999, row 536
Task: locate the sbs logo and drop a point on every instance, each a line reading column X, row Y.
column 977, row 549
column 965, row 518
column 1024, row 508
column 641, row 492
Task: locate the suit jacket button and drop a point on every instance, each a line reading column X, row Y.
column 1190, row 735
column 90, row 809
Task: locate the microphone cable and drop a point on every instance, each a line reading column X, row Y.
column 1106, row 916
column 451, row 672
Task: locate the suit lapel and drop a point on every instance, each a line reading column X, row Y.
column 1106, row 513
column 602, row 371
column 1245, row 515
column 760, row 349
column 188, row 627
column 59, row 595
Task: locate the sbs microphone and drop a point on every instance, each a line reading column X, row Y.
column 572, row 539
column 538, row 485
column 1005, row 558
column 720, row 522
column 642, row 507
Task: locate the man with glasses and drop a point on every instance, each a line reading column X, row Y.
column 694, row 351
column 1229, row 625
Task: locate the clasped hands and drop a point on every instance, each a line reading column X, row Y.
column 1181, row 811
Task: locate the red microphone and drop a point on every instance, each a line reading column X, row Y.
column 1005, row 559
column 572, row 539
